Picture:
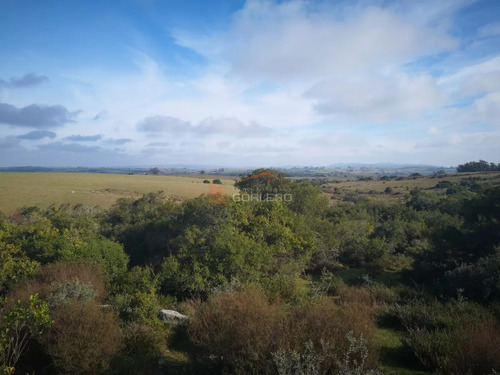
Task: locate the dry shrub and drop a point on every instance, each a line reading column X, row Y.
column 355, row 295
column 326, row 321
column 83, row 339
column 58, row 273
column 242, row 328
column 475, row 348
column 467, row 344
column 382, row 295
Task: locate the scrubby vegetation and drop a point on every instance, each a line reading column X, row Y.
column 284, row 283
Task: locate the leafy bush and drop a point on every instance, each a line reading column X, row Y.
column 329, row 283
column 143, row 346
column 19, row 324
column 14, row 265
column 443, row 185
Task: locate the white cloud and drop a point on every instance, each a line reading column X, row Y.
column 433, row 130
column 294, row 41
column 491, row 29
column 231, row 126
column 475, row 78
column 377, row 99
column 487, row 109
column 323, row 82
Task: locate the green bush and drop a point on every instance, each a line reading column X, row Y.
column 443, row 185
column 143, row 347
column 329, row 283
column 19, row 324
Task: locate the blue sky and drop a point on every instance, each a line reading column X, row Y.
column 253, row 83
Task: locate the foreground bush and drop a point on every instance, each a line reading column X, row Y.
column 324, row 321
column 143, row 346
column 458, row 337
column 19, row 324
column 242, row 329
column 311, row 362
column 83, row 339
column 471, row 348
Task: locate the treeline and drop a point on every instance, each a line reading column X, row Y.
column 259, row 279
column 478, row 166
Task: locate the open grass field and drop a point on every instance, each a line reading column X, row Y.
column 97, row 189
column 376, row 188
column 43, row 189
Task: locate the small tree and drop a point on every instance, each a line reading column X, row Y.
column 18, row 326
column 155, row 171
column 217, row 181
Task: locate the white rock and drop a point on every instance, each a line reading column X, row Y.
column 172, row 316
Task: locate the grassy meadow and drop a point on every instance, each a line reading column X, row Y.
column 98, row 189
column 375, row 188
column 94, row 189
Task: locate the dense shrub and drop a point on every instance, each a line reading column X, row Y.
column 464, row 250
column 443, row 185
column 238, row 240
column 84, row 338
column 54, row 278
column 329, row 283
column 312, row 362
column 467, row 348
column 457, row 337
column 242, row 328
column 14, row 266
column 324, row 320
column 143, row 346
column 20, row 323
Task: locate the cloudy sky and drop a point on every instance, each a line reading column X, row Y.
column 254, row 83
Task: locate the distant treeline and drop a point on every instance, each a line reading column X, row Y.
column 478, row 166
